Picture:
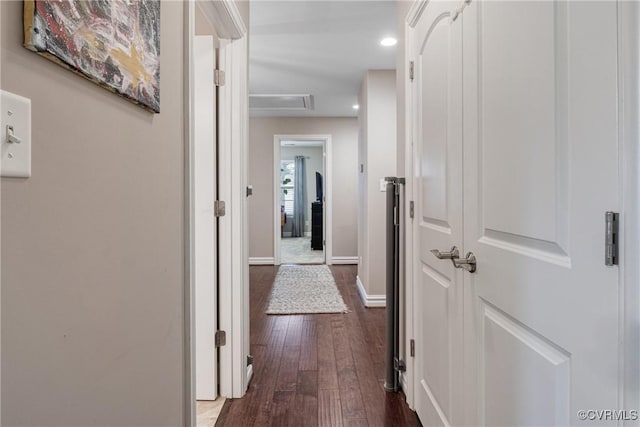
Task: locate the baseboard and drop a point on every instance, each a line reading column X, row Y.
column 344, row 260
column 261, row 261
column 249, row 374
column 403, row 382
column 307, row 234
column 370, row 300
column 287, row 234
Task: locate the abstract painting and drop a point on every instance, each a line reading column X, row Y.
column 114, row 43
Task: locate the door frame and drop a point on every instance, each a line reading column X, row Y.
column 629, row 114
column 327, row 221
column 232, row 237
column 629, row 154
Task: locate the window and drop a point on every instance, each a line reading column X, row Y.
column 287, row 173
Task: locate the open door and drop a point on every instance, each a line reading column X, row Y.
column 205, row 220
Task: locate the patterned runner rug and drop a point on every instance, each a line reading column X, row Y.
column 304, row 289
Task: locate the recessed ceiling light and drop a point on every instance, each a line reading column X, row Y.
column 389, row 41
column 356, row 106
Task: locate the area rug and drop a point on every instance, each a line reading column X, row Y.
column 305, row 289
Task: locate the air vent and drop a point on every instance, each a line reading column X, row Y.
column 281, row 102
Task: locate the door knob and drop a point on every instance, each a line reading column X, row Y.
column 452, row 254
column 468, row 263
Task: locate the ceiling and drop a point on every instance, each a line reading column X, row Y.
column 321, row 48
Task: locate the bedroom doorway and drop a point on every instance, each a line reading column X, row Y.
column 301, row 199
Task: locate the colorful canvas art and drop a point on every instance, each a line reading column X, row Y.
column 114, row 43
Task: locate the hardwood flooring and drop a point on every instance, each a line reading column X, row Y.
column 318, row 369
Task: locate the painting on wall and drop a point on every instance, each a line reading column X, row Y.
column 114, row 43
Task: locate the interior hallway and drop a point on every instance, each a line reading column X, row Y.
column 319, row 369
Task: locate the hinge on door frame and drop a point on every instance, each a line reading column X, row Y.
column 218, row 77
column 220, row 339
column 412, row 347
column 411, row 70
column 611, row 238
column 411, row 209
column 219, row 208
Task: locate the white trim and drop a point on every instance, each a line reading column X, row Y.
column 190, row 417
column 403, row 382
column 261, row 260
column 249, row 373
column 232, row 181
column 629, row 98
column 277, row 214
column 350, row 260
column 307, row 234
column 370, row 300
column 328, row 193
column 409, row 319
column 235, row 123
column 225, row 17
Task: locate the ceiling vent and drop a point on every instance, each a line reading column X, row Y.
column 281, row 102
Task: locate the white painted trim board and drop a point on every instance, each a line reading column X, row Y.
column 267, row 260
column 346, row 260
column 370, row 301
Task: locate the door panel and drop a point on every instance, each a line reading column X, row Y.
column 204, row 152
column 540, row 168
column 522, row 92
column 438, row 224
column 523, row 182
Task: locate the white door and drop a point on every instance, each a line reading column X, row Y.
column 525, row 187
column 204, row 165
column 540, row 170
column 437, row 224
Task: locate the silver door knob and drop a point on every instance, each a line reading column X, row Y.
column 468, row 263
column 452, row 254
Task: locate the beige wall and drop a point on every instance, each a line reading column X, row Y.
column 314, row 164
column 92, row 247
column 378, row 154
column 344, row 132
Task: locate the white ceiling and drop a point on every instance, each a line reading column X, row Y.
column 322, row 48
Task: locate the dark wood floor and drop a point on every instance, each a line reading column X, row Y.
column 319, row 369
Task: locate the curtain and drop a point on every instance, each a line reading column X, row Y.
column 300, row 197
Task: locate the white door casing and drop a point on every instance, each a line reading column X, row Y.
column 224, row 21
column 538, row 166
column 437, row 136
column 541, row 169
column 327, row 212
column 204, row 169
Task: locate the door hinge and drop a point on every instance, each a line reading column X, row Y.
column 412, row 348
column 411, row 70
column 220, row 339
column 249, row 360
column 411, row 209
column 219, row 208
column 611, row 238
column 218, row 77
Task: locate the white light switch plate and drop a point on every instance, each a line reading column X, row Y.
column 16, row 157
column 383, row 184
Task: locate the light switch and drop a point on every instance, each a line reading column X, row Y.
column 383, row 184
column 15, row 135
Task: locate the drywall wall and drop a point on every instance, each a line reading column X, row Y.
column 92, row 247
column 344, row 132
column 314, row 163
column 378, row 156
